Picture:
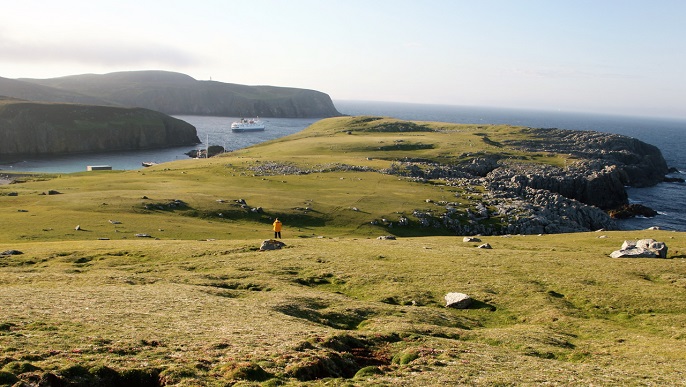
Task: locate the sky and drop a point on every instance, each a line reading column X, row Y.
column 624, row 57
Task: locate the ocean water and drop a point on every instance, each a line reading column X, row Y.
column 669, row 199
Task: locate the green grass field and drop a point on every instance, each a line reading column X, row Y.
column 195, row 303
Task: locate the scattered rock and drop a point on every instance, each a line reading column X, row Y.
column 11, row 252
column 644, row 248
column 387, row 237
column 78, row 227
column 115, row 221
column 143, row 236
column 271, row 244
column 485, row 246
column 471, row 239
column 457, row 300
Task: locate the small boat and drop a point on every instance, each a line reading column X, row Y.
column 247, row 125
column 148, row 163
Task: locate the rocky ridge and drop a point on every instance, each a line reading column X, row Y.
column 537, row 198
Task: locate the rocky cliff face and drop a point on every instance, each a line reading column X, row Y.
column 537, row 198
column 175, row 93
column 28, row 128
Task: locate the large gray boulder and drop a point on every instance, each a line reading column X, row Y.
column 643, row 248
column 271, row 244
column 457, row 300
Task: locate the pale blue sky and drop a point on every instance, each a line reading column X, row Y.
column 605, row 56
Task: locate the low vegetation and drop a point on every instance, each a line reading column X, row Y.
column 163, row 283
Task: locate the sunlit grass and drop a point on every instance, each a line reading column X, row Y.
column 182, row 293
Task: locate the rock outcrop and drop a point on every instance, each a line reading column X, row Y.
column 539, row 198
column 457, row 300
column 271, row 244
column 644, row 248
column 30, row 128
column 175, row 93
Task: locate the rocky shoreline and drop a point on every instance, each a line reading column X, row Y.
column 536, row 198
column 528, row 198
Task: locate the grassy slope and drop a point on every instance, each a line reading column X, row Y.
column 200, row 303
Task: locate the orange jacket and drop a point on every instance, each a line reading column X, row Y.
column 277, row 225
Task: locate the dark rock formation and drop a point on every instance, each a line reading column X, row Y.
column 537, row 198
column 175, row 93
column 631, row 210
column 607, row 163
column 28, row 128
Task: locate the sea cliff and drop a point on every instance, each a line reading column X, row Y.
column 29, row 128
column 543, row 198
column 175, row 94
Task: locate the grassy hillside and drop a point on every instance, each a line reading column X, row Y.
column 34, row 128
column 163, row 283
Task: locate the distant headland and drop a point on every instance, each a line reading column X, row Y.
column 173, row 93
column 39, row 128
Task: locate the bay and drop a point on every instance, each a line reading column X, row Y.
column 211, row 130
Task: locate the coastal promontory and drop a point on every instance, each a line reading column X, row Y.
column 32, row 128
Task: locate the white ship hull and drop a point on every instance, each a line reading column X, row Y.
column 252, row 125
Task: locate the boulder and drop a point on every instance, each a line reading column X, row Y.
column 271, row 244
column 387, row 237
column 471, row 239
column 11, row 252
column 485, row 246
column 644, row 248
column 457, row 300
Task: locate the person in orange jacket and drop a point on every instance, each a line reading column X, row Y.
column 277, row 228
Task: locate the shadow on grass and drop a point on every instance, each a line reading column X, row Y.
column 476, row 304
column 318, row 312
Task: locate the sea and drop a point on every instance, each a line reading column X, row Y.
column 669, row 135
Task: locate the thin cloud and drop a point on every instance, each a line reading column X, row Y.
column 95, row 53
column 568, row 73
